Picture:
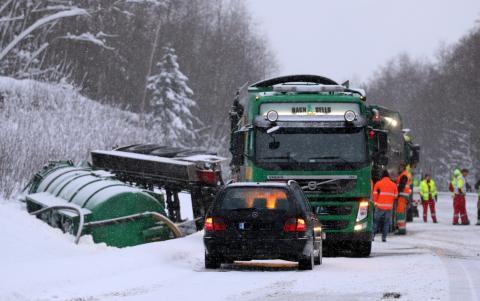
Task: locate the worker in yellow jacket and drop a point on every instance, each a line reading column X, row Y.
column 459, row 201
column 428, row 193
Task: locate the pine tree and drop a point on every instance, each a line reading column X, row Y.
column 171, row 101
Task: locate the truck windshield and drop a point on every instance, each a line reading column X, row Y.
column 311, row 147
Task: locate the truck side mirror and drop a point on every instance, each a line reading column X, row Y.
column 415, row 155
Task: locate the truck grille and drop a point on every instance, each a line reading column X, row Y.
column 325, row 187
column 321, row 184
column 334, row 225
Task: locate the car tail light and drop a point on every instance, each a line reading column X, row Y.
column 214, row 224
column 294, row 225
column 208, row 177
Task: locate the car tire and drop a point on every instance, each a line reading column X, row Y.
column 212, row 262
column 319, row 258
column 306, row 263
column 361, row 248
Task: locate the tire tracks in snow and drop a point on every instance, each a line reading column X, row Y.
column 463, row 274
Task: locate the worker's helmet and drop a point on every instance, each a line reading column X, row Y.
column 457, row 172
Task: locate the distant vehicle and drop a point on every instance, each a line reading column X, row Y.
column 250, row 221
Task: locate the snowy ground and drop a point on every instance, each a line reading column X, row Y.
column 433, row 262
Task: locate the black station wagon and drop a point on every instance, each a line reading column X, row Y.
column 250, row 221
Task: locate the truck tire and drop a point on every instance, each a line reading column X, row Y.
column 329, row 249
column 306, row 263
column 361, row 248
column 212, row 262
column 410, row 214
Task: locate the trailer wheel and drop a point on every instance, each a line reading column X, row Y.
column 361, row 248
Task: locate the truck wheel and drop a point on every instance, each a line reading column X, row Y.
column 212, row 262
column 361, row 248
column 306, row 263
column 409, row 214
column 329, row 249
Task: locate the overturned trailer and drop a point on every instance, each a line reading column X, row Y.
column 114, row 198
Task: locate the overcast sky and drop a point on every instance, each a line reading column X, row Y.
column 345, row 39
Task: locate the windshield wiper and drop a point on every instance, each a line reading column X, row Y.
column 289, row 158
column 343, row 160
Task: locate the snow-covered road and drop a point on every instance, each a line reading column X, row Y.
column 432, row 262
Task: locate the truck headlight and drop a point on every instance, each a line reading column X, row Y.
column 362, row 210
column 360, row 227
column 272, row 115
column 350, row 116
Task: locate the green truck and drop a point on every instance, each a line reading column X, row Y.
column 321, row 134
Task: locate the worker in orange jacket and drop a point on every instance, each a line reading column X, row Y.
column 404, row 182
column 385, row 192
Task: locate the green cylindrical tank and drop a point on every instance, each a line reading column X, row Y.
column 113, row 210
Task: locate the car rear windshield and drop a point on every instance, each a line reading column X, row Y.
column 270, row 198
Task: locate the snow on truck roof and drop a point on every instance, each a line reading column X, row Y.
column 307, row 78
column 305, row 83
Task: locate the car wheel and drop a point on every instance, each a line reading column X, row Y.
column 319, row 257
column 212, row 262
column 361, row 248
column 306, row 263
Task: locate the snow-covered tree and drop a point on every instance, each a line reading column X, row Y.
column 171, row 100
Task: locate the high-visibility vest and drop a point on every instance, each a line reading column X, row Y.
column 384, row 193
column 427, row 189
column 459, row 185
column 406, row 190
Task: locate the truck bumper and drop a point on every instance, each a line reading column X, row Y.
column 348, row 236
